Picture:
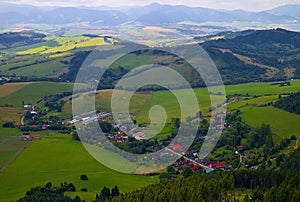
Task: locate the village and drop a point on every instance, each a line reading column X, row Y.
column 33, row 121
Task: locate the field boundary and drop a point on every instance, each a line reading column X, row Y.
column 19, row 152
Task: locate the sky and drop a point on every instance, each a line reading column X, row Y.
column 251, row 5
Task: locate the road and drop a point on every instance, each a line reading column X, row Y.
column 241, row 160
column 191, row 160
column 297, row 142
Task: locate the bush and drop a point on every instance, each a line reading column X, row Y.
column 83, row 177
column 84, row 189
column 8, row 125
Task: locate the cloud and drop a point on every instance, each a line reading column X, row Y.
column 256, row 5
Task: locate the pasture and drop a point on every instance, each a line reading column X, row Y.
column 9, row 88
column 262, row 88
column 46, row 69
column 283, row 124
column 58, row 158
column 32, row 92
column 10, row 143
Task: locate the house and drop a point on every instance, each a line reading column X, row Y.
column 217, row 165
column 33, row 126
column 27, row 106
column 121, row 139
column 111, row 136
column 140, row 136
column 34, row 112
column 209, row 170
column 175, row 146
column 121, row 132
column 26, row 136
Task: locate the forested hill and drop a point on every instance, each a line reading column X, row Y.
column 241, row 57
column 257, row 55
column 16, row 39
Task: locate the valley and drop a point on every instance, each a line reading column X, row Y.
column 66, row 72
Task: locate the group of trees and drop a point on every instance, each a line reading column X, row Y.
column 48, row 193
column 55, row 102
column 11, row 39
column 9, row 124
column 107, row 195
column 259, row 137
column 290, row 103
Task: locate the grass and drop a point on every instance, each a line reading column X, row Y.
column 33, row 46
column 283, row 124
column 10, row 143
column 32, row 92
column 253, row 101
column 58, row 158
column 260, row 88
column 10, row 114
column 42, row 69
column 5, row 156
column 9, row 88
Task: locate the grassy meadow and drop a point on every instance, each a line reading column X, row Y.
column 58, row 158
column 283, row 124
column 32, row 92
column 10, row 143
column 47, row 69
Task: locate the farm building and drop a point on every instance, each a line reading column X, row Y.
column 217, row 165
column 26, row 136
column 140, row 136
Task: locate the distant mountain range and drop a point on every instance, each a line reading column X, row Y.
column 153, row 14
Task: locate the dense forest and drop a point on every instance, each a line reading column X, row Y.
column 14, row 39
column 290, row 103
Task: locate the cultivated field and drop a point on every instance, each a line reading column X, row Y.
column 64, row 44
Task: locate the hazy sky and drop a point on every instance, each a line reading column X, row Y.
column 253, row 5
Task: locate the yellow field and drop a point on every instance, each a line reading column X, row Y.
column 10, row 114
column 65, row 44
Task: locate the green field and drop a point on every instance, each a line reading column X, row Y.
column 141, row 103
column 45, row 69
column 58, row 158
column 28, row 47
column 253, row 101
column 282, row 123
column 261, row 88
column 32, row 92
column 10, row 143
